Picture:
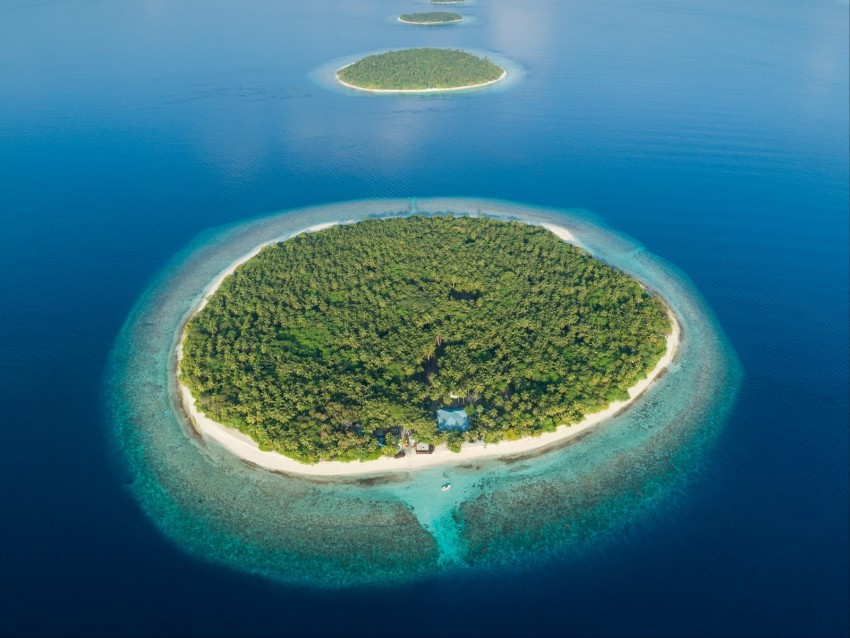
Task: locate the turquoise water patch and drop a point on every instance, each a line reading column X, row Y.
column 501, row 513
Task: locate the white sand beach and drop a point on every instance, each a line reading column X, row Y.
column 429, row 24
column 453, row 88
column 244, row 447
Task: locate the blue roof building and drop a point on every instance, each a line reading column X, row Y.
column 452, row 419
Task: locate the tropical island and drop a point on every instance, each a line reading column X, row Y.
column 347, row 343
column 431, row 18
column 420, row 70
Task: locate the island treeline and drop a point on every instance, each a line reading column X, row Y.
column 328, row 345
column 419, row 69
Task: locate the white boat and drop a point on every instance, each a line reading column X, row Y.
column 446, row 487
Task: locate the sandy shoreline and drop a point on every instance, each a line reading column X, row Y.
column 453, row 88
column 245, row 448
column 428, row 23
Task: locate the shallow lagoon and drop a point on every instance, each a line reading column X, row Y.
column 501, row 513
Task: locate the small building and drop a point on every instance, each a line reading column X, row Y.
column 424, row 448
column 452, row 420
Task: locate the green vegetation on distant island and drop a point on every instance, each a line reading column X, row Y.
column 330, row 344
column 432, row 17
column 420, row 69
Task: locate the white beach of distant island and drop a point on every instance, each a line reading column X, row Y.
column 431, row 24
column 247, row 449
column 436, row 90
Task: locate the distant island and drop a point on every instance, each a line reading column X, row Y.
column 420, row 70
column 431, row 17
column 343, row 344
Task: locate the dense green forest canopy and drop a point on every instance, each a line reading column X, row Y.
column 419, row 69
column 431, row 17
column 320, row 345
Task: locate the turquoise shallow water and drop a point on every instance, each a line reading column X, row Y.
column 504, row 513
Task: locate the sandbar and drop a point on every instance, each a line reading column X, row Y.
column 247, row 449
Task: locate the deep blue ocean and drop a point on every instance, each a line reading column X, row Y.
column 715, row 133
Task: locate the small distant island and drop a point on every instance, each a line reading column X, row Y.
column 353, row 341
column 420, row 70
column 431, row 17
